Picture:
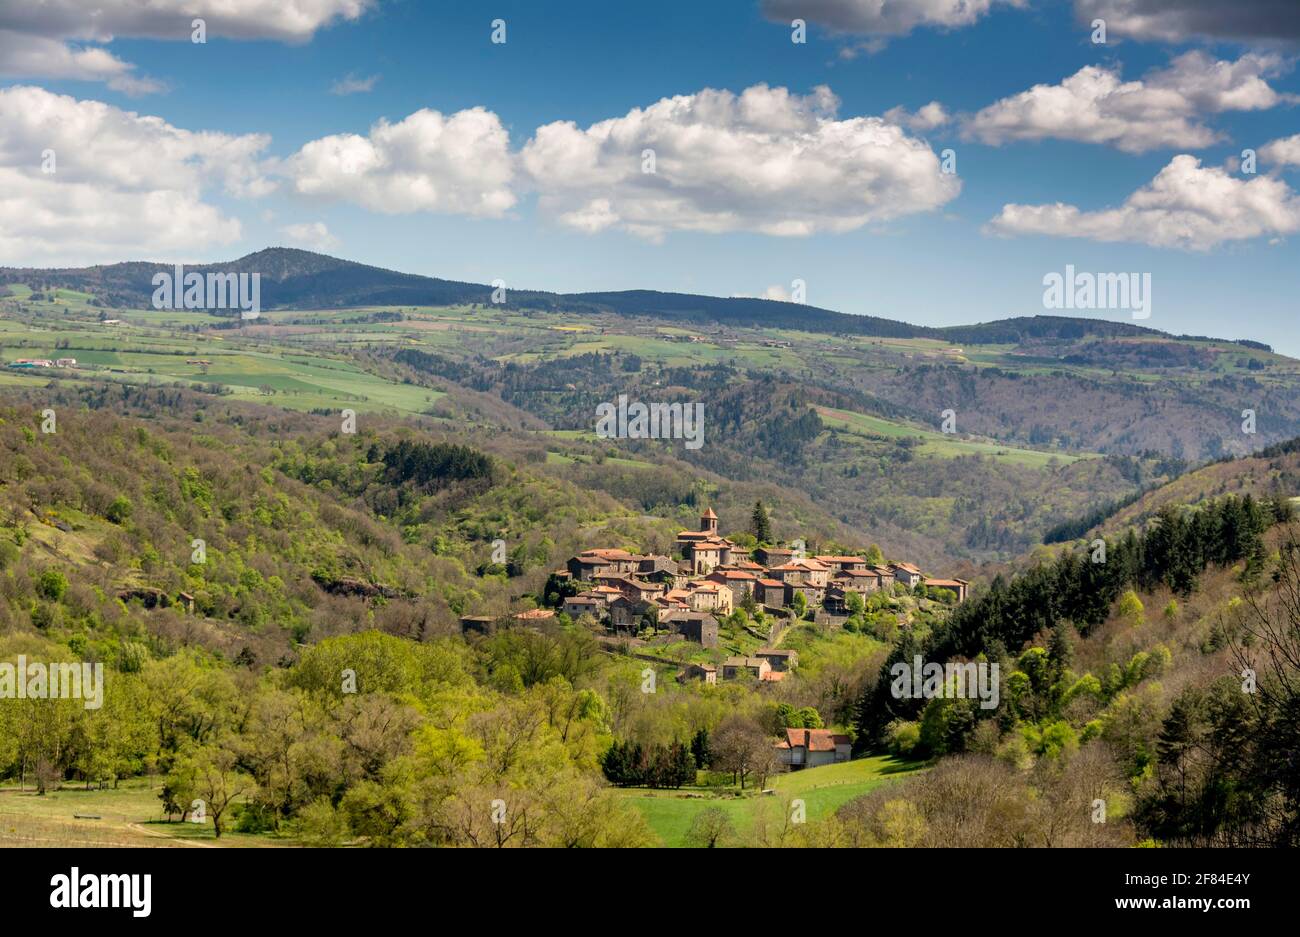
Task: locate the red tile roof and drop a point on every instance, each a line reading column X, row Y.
column 815, row 740
column 803, row 564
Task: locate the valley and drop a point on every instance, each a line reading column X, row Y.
column 397, row 494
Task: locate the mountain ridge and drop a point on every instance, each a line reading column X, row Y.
column 299, row 279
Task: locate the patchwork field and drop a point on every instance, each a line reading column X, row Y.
column 144, row 348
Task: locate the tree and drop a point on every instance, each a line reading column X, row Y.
column 1130, row 609
column 700, row 749
column 680, row 765
column 119, row 510
column 621, row 763
column 810, row 718
column 710, row 827
column 214, row 777
column 557, row 589
column 321, row 824
column 52, row 585
column 760, row 524
column 741, row 746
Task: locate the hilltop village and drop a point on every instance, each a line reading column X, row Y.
column 710, row 577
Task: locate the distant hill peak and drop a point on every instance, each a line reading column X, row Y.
column 302, row 279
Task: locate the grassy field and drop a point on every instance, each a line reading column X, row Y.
column 128, row 816
column 146, row 348
column 940, row 445
column 823, row 790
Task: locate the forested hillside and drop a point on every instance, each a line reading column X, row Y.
column 319, row 688
column 1148, row 689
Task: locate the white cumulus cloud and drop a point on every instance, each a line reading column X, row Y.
column 46, row 39
column 429, row 162
column 1185, row 206
column 929, row 117
column 123, row 183
column 1283, row 152
column 23, row 56
column 764, row 160
column 1163, row 109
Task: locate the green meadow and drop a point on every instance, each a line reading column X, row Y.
column 129, row 815
column 147, row 347
column 823, row 791
column 940, row 445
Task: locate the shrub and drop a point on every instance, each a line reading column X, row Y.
column 52, row 585
column 904, row 738
column 119, row 510
column 319, row 824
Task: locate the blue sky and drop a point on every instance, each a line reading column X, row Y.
column 921, row 253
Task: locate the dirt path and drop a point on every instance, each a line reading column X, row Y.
column 136, row 827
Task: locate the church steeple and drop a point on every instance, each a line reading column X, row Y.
column 709, row 522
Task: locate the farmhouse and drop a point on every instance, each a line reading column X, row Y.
column 662, row 569
column 836, row 599
column 956, row 586
column 708, row 596
column 576, row 605
column 636, row 589
column 802, row 571
column 906, row 573
column 773, row 556
column 625, row 614
column 779, row 659
column 590, row 563
column 843, row 564
column 533, row 615
column 733, row 667
column 705, row 672
column 864, row 580
column 769, row 592
column 477, row 624
column 740, row 582
column 813, row 595
column 700, row 627
column 811, row 748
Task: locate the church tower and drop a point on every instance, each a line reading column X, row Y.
column 709, row 522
